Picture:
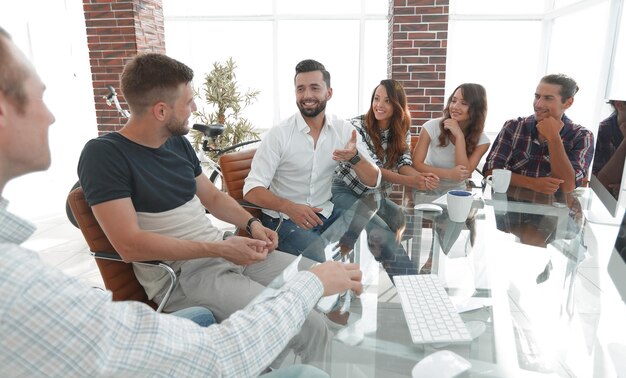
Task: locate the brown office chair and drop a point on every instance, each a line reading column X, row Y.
column 235, row 167
column 118, row 276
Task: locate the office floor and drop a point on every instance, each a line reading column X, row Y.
column 61, row 245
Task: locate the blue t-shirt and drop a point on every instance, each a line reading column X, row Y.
column 156, row 179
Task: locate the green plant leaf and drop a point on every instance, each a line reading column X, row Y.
column 223, row 103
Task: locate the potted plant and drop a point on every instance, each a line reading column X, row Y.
column 224, row 104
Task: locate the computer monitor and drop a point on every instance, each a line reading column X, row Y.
column 613, row 200
column 611, row 189
column 617, row 261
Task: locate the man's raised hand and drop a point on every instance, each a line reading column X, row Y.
column 348, row 151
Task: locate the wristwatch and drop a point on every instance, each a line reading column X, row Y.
column 355, row 159
column 249, row 225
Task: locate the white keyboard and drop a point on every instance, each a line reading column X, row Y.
column 429, row 313
column 441, row 200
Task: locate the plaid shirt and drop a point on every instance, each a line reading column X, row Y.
column 517, row 148
column 345, row 172
column 13, row 229
column 55, row 326
column 609, row 138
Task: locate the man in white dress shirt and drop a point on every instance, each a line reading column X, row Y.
column 293, row 167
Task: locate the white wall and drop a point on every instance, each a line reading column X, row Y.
column 52, row 34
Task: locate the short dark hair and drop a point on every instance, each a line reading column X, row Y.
column 12, row 73
column 310, row 65
column 568, row 85
column 150, row 78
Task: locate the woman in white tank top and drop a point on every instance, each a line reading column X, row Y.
column 451, row 147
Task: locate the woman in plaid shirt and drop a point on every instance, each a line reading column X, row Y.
column 385, row 130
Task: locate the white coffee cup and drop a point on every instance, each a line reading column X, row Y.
column 459, row 204
column 499, row 179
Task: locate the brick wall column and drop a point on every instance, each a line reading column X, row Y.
column 418, row 38
column 116, row 31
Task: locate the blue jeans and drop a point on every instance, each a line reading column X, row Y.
column 199, row 315
column 384, row 230
column 296, row 241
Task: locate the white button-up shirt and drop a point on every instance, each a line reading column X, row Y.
column 289, row 164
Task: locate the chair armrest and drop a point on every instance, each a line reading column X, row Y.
column 107, row 256
column 114, row 256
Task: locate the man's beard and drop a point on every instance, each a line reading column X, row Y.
column 177, row 128
column 321, row 106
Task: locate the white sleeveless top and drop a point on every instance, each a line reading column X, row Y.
column 442, row 157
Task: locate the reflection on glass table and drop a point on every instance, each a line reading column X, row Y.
column 518, row 291
column 537, row 219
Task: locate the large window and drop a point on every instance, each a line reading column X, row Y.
column 508, row 46
column 616, row 89
column 53, row 38
column 586, row 65
column 267, row 38
column 506, row 64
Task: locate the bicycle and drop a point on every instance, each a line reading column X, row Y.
column 211, row 132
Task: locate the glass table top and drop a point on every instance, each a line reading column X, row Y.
column 512, row 269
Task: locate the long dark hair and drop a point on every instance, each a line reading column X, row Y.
column 398, row 125
column 476, row 96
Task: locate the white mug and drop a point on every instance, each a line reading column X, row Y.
column 459, row 204
column 499, row 179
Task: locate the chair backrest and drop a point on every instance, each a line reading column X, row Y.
column 118, row 276
column 235, row 168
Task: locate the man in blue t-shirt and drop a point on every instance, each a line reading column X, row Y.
column 147, row 191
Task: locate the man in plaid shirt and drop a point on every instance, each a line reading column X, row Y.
column 546, row 151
